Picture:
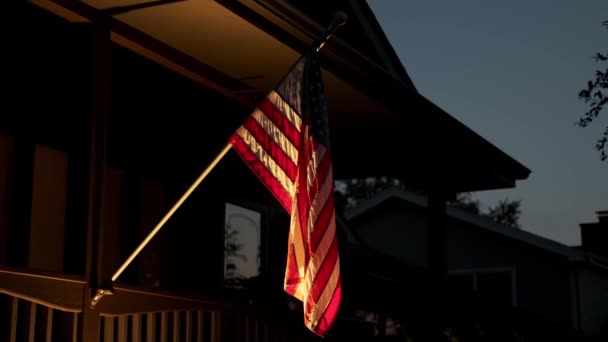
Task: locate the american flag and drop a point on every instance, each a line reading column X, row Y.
column 285, row 141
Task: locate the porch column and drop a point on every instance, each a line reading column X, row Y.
column 100, row 65
column 437, row 261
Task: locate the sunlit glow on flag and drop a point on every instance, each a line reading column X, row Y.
column 285, row 142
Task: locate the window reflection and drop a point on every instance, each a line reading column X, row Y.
column 241, row 245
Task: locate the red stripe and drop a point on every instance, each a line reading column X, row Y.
column 321, row 225
column 326, row 261
column 271, row 147
column 303, row 216
column 292, row 275
column 321, row 173
column 279, row 119
column 302, row 194
column 324, row 273
column 261, row 171
column 331, row 312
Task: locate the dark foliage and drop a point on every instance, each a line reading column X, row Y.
column 594, row 96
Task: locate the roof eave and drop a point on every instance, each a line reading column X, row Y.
column 297, row 30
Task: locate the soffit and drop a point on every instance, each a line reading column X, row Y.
column 222, row 40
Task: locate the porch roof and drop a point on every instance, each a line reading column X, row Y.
column 380, row 125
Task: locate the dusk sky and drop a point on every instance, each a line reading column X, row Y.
column 511, row 71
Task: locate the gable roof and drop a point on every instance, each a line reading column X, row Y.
column 366, row 17
column 363, row 32
column 479, row 221
column 432, row 132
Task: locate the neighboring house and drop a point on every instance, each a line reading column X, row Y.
column 593, row 285
column 501, row 268
column 113, row 108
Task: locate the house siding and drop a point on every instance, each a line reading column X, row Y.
column 397, row 229
column 593, row 292
column 542, row 278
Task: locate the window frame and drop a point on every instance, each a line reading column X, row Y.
column 264, row 212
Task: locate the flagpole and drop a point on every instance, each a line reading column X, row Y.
column 338, row 20
column 167, row 216
column 161, row 223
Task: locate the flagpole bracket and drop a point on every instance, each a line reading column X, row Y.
column 98, row 293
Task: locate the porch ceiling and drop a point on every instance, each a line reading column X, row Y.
column 209, row 33
column 370, row 137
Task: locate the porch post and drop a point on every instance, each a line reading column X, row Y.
column 100, row 71
column 437, row 261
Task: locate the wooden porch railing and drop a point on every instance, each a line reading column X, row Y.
column 30, row 321
column 38, row 306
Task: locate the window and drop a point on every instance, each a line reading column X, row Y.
column 494, row 287
column 242, row 242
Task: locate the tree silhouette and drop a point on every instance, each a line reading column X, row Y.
column 506, row 212
column 464, row 200
column 594, row 96
column 352, row 191
column 232, row 249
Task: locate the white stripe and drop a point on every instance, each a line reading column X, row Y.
column 296, row 244
column 319, row 202
column 322, row 250
column 276, row 134
column 267, row 160
column 286, row 109
column 296, row 238
column 319, row 308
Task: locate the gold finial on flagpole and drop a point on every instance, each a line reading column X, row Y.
column 338, row 21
